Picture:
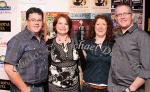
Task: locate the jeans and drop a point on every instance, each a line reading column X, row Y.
column 13, row 88
column 53, row 88
column 118, row 88
column 65, row 91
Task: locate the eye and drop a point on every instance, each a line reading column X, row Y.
column 123, row 14
column 104, row 24
column 59, row 23
column 97, row 24
column 66, row 24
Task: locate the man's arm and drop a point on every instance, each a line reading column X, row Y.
column 144, row 44
column 138, row 82
column 15, row 78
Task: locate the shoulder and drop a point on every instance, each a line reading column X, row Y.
column 16, row 38
column 85, row 42
column 49, row 41
column 111, row 41
column 136, row 31
column 22, row 36
column 140, row 37
column 141, row 34
column 88, row 41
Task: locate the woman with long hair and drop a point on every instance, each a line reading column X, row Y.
column 98, row 55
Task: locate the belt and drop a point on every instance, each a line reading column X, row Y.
column 96, row 86
column 36, row 85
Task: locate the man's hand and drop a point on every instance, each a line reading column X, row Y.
column 27, row 89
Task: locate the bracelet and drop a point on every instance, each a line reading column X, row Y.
column 130, row 90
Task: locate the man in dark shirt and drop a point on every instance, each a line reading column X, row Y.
column 130, row 54
column 26, row 61
column 81, row 32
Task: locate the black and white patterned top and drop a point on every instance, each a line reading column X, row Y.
column 63, row 70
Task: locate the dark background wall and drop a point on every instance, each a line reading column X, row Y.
column 147, row 15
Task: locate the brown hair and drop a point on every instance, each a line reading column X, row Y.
column 109, row 32
column 67, row 19
column 33, row 10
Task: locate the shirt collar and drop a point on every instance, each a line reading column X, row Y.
column 129, row 30
column 132, row 28
column 29, row 33
column 126, row 30
column 104, row 42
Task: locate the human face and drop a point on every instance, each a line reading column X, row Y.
column 62, row 26
column 34, row 22
column 100, row 27
column 124, row 16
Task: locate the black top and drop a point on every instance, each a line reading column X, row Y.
column 98, row 62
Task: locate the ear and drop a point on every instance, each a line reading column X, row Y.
column 133, row 16
column 114, row 18
column 24, row 24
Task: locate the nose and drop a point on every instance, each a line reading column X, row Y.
column 63, row 25
column 37, row 23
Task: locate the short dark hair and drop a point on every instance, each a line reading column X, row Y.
column 33, row 10
column 69, row 21
column 109, row 32
column 124, row 4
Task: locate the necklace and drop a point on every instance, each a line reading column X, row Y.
column 99, row 41
column 61, row 40
column 64, row 44
column 64, row 47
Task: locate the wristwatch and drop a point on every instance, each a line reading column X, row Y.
column 129, row 90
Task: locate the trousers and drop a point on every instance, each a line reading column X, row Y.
column 13, row 88
column 147, row 85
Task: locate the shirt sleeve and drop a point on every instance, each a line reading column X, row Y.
column 110, row 83
column 144, row 46
column 14, row 51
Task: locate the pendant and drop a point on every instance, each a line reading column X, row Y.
column 65, row 49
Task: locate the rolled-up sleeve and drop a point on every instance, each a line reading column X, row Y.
column 13, row 52
column 144, row 46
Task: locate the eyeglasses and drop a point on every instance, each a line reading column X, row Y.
column 34, row 20
column 123, row 14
